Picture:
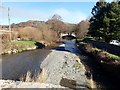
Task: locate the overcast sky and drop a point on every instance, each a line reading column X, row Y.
column 71, row 12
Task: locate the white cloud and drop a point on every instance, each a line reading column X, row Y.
column 29, row 14
column 24, row 15
column 70, row 16
column 62, row 12
column 18, row 15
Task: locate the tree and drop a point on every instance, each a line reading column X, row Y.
column 115, row 0
column 82, row 29
column 56, row 17
column 96, row 26
column 71, row 28
column 102, row 0
column 114, row 16
column 57, row 25
column 105, row 22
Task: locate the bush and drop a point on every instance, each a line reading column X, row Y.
column 103, row 56
column 5, row 37
column 88, row 48
column 34, row 34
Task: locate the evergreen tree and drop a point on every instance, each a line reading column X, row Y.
column 105, row 23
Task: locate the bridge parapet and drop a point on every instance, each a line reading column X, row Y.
column 65, row 34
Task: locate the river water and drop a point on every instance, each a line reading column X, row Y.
column 16, row 65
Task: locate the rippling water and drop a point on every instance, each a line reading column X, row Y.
column 17, row 65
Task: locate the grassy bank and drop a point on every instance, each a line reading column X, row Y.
column 100, row 54
column 25, row 43
column 110, row 63
column 18, row 46
column 108, row 55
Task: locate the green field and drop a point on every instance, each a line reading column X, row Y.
column 25, row 43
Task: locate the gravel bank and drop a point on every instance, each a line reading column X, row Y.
column 64, row 68
column 20, row 84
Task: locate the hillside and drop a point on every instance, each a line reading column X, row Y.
column 39, row 30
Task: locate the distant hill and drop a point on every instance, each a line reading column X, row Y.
column 30, row 23
column 56, row 25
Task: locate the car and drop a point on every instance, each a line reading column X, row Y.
column 115, row 42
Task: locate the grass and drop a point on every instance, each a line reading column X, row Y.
column 114, row 56
column 25, row 43
column 18, row 46
column 88, row 38
column 96, row 49
column 77, row 65
column 91, row 49
column 111, row 56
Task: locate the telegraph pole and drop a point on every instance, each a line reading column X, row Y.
column 9, row 26
column 1, row 14
column 9, row 23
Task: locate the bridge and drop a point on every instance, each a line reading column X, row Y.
column 67, row 35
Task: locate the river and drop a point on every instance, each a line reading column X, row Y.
column 16, row 65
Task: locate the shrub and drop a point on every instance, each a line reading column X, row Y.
column 103, row 56
column 88, row 48
column 34, row 34
column 5, row 37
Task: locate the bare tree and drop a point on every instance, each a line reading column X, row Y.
column 57, row 24
column 56, row 17
column 82, row 29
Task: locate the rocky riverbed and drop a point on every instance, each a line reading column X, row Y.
column 19, row 84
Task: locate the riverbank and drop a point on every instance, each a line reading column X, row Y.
column 19, row 84
column 21, row 46
column 17, row 47
column 60, row 67
column 105, row 71
column 65, row 71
